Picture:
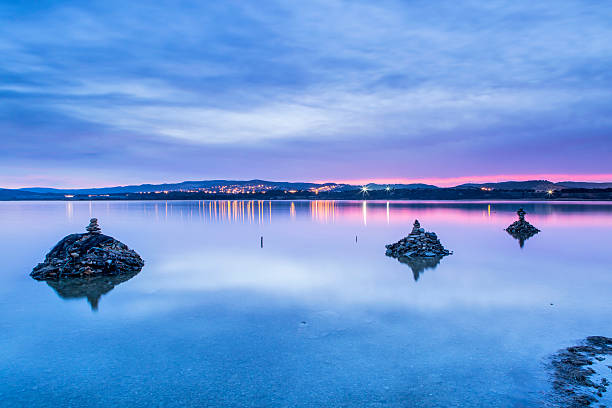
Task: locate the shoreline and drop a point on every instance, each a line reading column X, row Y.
column 440, row 200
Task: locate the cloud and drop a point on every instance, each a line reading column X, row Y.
column 351, row 87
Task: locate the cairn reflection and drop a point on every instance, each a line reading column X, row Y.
column 420, row 265
column 91, row 288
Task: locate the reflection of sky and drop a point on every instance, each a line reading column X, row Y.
column 315, row 316
column 322, row 251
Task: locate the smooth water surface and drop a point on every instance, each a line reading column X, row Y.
column 318, row 316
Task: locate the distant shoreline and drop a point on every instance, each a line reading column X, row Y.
column 440, row 194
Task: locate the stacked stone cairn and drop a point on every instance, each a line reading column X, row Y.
column 522, row 229
column 93, row 227
column 419, row 244
column 89, row 254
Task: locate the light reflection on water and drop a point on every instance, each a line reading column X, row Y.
column 325, row 211
column 317, row 317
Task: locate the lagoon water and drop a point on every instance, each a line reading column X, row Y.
column 317, row 317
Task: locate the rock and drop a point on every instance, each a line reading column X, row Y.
column 88, row 254
column 419, row 244
column 571, row 377
column 521, row 229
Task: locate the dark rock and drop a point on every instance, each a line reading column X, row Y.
column 418, row 245
column 572, row 373
column 88, row 254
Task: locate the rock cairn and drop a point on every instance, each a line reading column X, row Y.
column 521, row 229
column 93, row 227
column 419, row 244
column 89, row 254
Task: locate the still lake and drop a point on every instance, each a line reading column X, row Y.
column 317, row 317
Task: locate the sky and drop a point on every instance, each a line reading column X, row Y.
column 102, row 93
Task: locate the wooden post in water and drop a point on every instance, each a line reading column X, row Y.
column 261, row 241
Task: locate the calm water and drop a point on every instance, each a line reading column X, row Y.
column 317, row 317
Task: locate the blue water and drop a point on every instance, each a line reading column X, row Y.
column 317, row 317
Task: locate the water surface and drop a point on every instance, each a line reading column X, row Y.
column 318, row 316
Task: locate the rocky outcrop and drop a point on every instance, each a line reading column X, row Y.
column 89, row 254
column 419, row 244
column 521, row 229
column 576, row 382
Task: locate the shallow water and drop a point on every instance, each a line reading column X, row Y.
column 318, row 316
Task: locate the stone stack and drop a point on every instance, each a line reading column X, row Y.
column 89, row 254
column 521, row 229
column 93, row 227
column 419, row 244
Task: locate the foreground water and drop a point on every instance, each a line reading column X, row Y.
column 318, row 316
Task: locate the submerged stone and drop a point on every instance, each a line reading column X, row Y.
column 575, row 382
column 89, row 254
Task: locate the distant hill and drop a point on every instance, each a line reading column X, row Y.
column 374, row 186
column 9, row 195
column 583, row 184
column 537, row 185
column 263, row 186
column 187, row 185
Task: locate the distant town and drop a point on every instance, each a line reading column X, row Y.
column 272, row 190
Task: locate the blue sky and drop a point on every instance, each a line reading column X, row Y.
column 109, row 92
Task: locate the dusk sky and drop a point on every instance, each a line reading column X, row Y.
column 101, row 93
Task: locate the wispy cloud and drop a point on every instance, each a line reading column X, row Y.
column 353, row 89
